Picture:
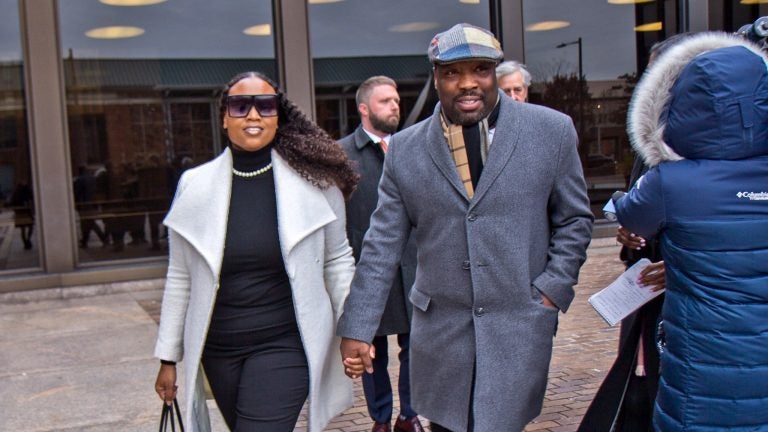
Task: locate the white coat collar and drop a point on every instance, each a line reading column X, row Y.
column 201, row 207
column 302, row 208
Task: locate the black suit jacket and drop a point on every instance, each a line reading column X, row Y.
column 368, row 159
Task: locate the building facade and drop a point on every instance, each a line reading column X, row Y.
column 103, row 103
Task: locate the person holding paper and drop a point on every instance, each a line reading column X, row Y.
column 624, row 402
column 701, row 112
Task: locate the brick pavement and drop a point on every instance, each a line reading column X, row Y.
column 584, row 350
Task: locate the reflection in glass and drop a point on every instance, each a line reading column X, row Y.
column 393, row 42
column 737, row 13
column 588, row 70
column 141, row 108
column 19, row 245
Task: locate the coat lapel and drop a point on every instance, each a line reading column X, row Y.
column 361, row 138
column 505, row 140
column 201, row 208
column 301, row 207
column 440, row 154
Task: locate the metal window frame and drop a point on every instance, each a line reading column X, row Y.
column 49, row 149
column 293, row 53
column 507, row 24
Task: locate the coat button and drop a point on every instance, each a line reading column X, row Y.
column 472, row 217
column 465, row 265
column 479, row 311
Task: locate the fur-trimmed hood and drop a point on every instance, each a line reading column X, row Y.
column 704, row 98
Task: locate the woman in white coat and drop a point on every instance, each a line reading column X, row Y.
column 259, row 270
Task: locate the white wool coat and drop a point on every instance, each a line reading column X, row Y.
column 318, row 261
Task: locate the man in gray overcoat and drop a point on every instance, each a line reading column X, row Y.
column 494, row 193
column 379, row 106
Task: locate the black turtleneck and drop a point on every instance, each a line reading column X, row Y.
column 254, row 300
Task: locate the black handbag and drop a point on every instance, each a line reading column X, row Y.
column 167, row 421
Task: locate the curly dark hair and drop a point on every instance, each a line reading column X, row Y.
column 306, row 147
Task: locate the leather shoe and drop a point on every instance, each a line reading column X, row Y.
column 411, row 424
column 381, row 427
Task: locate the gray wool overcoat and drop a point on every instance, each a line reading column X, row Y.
column 368, row 159
column 478, row 326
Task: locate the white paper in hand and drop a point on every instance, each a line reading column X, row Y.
column 624, row 295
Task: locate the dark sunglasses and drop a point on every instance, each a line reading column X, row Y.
column 240, row 105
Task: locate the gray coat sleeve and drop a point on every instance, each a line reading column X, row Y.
column 382, row 249
column 570, row 221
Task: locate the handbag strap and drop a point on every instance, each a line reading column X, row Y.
column 163, row 418
column 167, row 417
column 178, row 414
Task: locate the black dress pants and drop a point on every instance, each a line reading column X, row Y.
column 262, row 388
column 378, row 387
column 637, row 408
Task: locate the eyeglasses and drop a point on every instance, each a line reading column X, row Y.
column 240, row 105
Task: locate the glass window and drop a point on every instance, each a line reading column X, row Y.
column 353, row 40
column 585, row 62
column 738, row 13
column 19, row 245
column 142, row 84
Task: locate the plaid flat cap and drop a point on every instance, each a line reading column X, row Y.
column 464, row 42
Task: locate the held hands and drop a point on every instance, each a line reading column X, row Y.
column 165, row 385
column 653, row 276
column 356, row 357
column 629, row 239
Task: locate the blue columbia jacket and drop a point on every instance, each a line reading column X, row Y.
column 699, row 117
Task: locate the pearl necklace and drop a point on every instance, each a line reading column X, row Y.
column 252, row 173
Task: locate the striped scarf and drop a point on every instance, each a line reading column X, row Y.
column 454, row 134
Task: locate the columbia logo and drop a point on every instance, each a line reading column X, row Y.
column 753, row 196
